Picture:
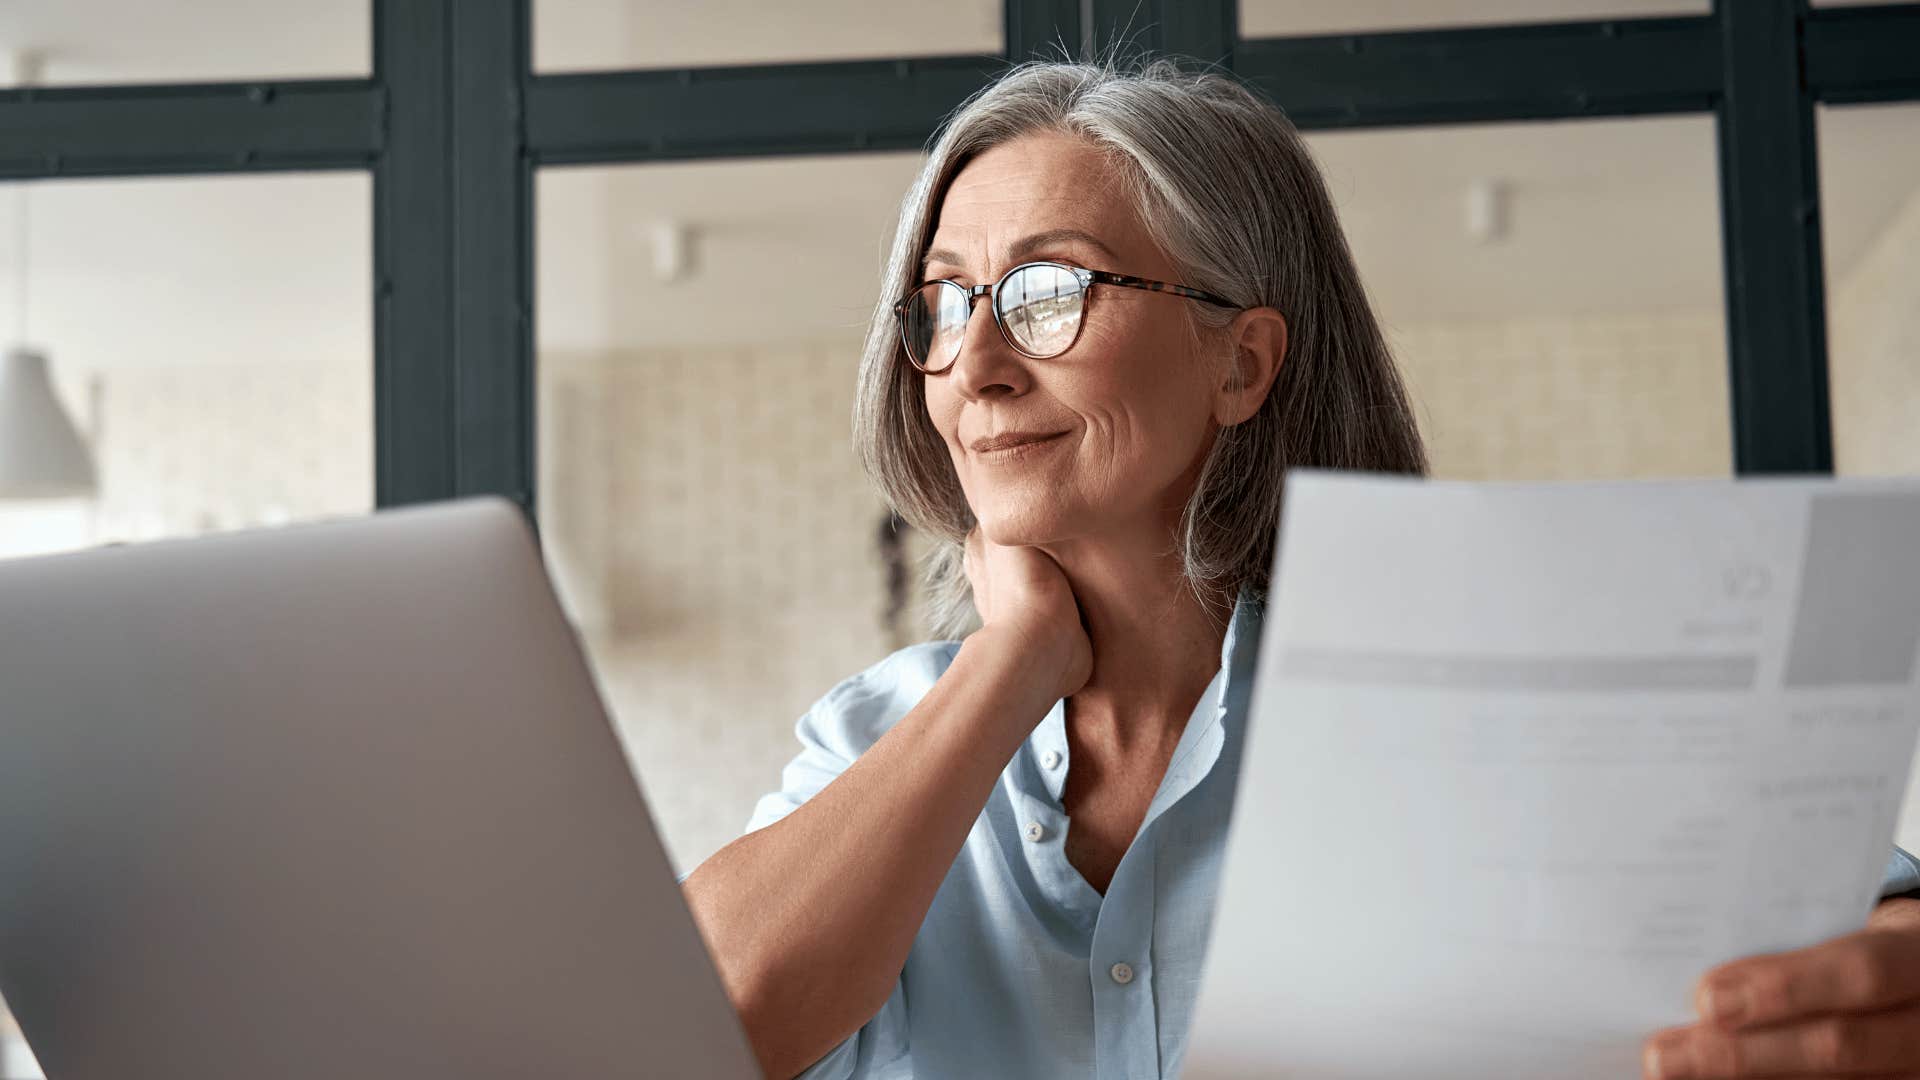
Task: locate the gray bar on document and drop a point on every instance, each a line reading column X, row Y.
column 1570, row 674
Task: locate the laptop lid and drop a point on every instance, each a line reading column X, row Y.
column 331, row 800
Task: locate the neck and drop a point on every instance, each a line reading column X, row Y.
column 1155, row 644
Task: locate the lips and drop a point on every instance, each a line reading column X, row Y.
column 1010, row 440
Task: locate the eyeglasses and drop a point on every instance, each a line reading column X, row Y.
column 1039, row 307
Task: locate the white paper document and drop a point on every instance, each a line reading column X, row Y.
column 1524, row 761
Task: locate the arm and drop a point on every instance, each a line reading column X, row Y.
column 810, row 919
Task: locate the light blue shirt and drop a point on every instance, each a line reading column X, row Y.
column 1022, row 970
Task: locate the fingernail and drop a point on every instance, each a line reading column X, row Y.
column 1724, row 1002
column 1666, row 1058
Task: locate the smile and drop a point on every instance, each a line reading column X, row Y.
column 1014, row 445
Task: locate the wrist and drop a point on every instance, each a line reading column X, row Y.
column 1032, row 669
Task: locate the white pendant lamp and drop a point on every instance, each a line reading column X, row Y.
column 42, row 455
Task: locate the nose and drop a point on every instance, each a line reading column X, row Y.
column 987, row 366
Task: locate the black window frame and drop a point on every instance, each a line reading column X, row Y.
column 453, row 124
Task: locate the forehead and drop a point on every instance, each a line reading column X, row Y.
column 1033, row 184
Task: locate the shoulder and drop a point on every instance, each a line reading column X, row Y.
column 848, row 720
column 854, row 714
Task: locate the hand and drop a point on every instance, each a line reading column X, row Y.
column 1846, row 1007
column 1023, row 593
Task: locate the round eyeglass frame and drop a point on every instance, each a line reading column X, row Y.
column 1087, row 279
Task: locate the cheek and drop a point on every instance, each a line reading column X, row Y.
column 1144, row 400
column 942, row 408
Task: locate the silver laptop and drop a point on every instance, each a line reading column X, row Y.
column 327, row 801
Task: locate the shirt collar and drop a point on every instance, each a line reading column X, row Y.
column 1206, row 730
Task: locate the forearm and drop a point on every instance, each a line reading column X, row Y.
column 810, row 919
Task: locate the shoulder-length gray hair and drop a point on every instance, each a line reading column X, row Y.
column 1230, row 193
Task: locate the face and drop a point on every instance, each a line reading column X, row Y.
column 1111, row 432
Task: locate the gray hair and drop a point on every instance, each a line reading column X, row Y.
column 1229, row 191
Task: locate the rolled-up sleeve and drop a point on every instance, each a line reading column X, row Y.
column 1903, row 874
column 824, row 755
column 832, row 735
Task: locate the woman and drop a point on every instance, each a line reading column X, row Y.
column 1174, row 320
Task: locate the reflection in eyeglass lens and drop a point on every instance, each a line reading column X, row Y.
column 936, row 320
column 1040, row 307
column 950, row 325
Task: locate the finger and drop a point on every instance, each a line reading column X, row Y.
column 1873, row 969
column 1858, row 1045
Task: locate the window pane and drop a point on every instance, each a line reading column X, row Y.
column 1286, row 18
column 712, row 534
column 209, row 340
column 1551, row 291
column 1870, row 222
column 576, row 35
column 139, row 41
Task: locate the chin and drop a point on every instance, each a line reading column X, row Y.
column 1027, row 522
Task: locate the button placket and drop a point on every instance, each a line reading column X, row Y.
column 1047, row 751
column 1125, row 1011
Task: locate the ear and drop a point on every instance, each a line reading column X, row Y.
column 1259, row 338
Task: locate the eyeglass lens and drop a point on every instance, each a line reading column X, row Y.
column 1039, row 308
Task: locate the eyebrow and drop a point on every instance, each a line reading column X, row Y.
column 1025, row 247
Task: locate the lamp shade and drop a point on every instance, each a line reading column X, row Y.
column 41, row 453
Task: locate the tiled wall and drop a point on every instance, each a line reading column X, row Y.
column 190, row 450
column 1571, row 399
column 185, row 450
column 713, row 500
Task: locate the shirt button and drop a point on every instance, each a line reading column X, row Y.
column 1051, row 759
column 1034, row 832
column 1121, row 973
